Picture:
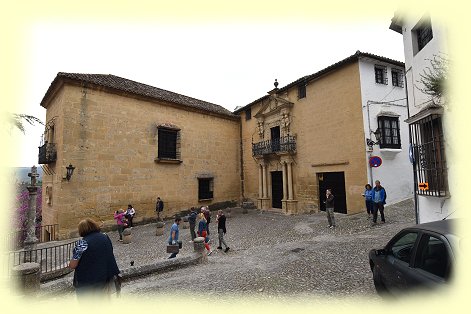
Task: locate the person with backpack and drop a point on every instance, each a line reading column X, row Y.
column 202, row 227
column 192, row 222
column 159, row 207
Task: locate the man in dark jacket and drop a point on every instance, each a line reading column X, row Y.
column 221, row 220
column 159, row 207
column 192, row 222
column 329, row 208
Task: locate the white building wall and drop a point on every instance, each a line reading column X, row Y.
column 395, row 173
column 429, row 208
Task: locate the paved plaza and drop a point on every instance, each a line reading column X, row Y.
column 271, row 255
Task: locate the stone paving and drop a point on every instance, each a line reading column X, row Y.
column 271, row 255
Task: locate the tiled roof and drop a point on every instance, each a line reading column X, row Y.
column 353, row 58
column 132, row 87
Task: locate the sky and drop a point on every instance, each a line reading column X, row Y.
column 230, row 64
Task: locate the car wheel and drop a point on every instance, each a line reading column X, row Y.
column 379, row 286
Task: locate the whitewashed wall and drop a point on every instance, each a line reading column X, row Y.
column 430, row 208
column 395, row 173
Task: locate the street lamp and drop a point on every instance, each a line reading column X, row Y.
column 70, row 171
column 377, row 135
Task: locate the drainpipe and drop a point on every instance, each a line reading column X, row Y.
column 368, row 102
column 416, row 203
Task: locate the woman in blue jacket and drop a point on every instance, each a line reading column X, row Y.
column 368, row 194
column 202, row 232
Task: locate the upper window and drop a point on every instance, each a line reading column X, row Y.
column 205, row 188
column 424, row 35
column 402, row 247
column 381, row 74
column 397, row 78
column 168, row 144
column 428, row 148
column 248, row 114
column 389, row 128
column 302, row 90
column 433, row 257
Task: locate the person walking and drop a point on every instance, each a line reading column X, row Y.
column 192, row 222
column 202, row 232
column 130, row 212
column 329, row 208
column 159, row 207
column 121, row 221
column 379, row 199
column 221, row 220
column 207, row 216
column 368, row 195
column 93, row 261
column 173, row 238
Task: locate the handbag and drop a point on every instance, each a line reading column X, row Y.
column 173, row 248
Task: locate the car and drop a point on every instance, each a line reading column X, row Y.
column 418, row 257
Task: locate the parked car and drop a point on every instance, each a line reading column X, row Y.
column 417, row 257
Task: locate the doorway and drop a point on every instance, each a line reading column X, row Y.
column 276, row 189
column 336, row 182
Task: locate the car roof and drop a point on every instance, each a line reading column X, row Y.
column 445, row 227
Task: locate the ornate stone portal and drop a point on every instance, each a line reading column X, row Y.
column 273, row 152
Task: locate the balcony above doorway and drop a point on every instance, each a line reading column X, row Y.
column 47, row 153
column 282, row 145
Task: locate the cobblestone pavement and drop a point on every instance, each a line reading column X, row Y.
column 271, row 255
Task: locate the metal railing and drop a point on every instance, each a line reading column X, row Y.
column 47, row 153
column 52, row 259
column 14, row 240
column 286, row 144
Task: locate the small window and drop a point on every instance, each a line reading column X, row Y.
column 248, row 114
column 168, row 144
column 302, row 90
column 397, row 78
column 390, row 135
column 433, row 257
column 402, row 248
column 205, row 188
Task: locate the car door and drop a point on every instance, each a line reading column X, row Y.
column 432, row 264
column 397, row 261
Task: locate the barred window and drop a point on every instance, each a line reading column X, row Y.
column 168, row 144
column 428, row 151
column 302, row 90
column 397, row 78
column 381, row 74
column 390, row 135
column 205, row 188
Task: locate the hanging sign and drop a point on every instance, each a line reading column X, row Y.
column 375, row 161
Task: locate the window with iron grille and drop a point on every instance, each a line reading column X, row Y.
column 424, row 34
column 205, row 188
column 390, row 135
column 302, row 90
column 168, row 144
column 397, row 78
column 428, row 149
column 381, row 74
column 248, row 114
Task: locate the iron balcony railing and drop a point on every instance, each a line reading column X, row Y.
column 47, row 153
column 286, row 144
column 53, row 260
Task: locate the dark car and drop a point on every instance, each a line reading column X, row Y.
column 421, row 256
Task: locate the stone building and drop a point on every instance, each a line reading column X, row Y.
column 129, row 143
column 316, row 133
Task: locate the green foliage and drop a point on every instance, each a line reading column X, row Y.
column 435, row 77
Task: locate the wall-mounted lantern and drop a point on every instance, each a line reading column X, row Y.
column 377, row 135
column 70, row 171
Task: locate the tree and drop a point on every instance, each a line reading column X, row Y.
column 435, row 77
